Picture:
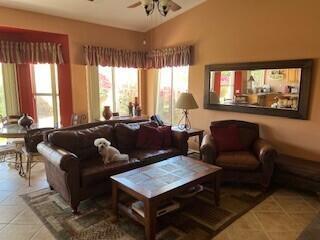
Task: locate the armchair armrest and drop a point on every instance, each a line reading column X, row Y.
column 59, row 157
column 264, row 151
column 180, row 141
column 266, row 155
column 208, row 149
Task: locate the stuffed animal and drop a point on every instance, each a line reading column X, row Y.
column 109, row 154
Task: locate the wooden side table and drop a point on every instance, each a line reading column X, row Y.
column 192, row 133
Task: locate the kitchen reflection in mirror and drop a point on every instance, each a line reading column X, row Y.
column 264, row 88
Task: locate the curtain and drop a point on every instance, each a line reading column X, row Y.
column 93, row 93
column 10, row 89
column 30, row 52
column 157, row 58
column 26, row 100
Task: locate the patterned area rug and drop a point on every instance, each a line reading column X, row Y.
column 199, row 218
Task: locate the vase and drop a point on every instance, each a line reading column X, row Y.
column 107, row 114
column 25, row 121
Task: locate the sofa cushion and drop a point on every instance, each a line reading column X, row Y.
column 149, row 138
column 81, row 142
column 126, row 135
column 237, row 160
column 166, row 136
column 300, row 167
column 94, row 171
column 227, row 138
column 150, row 156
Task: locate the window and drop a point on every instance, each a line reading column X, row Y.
column 46, row 94
column 2, row 96
column 171, row 82
column 227, row 86
column 118, row 87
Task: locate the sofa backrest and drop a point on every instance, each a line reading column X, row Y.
column 249, row 132
column 81, row 141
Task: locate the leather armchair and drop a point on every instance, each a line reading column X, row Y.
column 255, row 165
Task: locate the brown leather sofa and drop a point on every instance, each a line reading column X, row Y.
column 252, row 166
column 75, row 169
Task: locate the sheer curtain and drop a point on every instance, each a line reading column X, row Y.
column 10, row 89
column 93, row 92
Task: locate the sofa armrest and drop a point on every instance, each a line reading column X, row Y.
column 266, row 155
column 208, row 149
column 180, row 141
column 58, row 157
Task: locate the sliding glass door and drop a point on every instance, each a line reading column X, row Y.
column 46, row 94
column 2, row 95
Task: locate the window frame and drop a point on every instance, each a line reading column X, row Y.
column 172, row 108
column 113, row 88
column 55, row 93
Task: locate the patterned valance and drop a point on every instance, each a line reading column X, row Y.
column 169, row 57
column 30, row 52
column 158, row 58
column 114, row 57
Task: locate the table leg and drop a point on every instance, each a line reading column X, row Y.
column 115, row 198
column 200, row 142
column 216, row 185
column 150, row 220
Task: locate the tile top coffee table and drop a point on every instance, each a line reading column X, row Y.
column 160, row 181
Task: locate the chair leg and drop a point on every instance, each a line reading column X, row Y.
column 21, row 170
column 30, row 167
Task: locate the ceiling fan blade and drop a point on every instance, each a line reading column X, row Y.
column 137, row 4
column 173, row 6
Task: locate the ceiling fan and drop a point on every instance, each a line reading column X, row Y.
column 164, row 6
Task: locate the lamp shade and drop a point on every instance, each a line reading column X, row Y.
column 186, row 101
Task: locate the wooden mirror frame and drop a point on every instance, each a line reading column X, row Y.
column 305, row 82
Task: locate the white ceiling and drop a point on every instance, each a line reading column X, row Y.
column 106, row 12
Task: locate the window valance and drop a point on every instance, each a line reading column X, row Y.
column 30, row 52
column 157, row 58
column 95, row 56
column 169, row 57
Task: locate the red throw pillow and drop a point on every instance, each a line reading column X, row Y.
column 227, row 139
column 149, row 138
column 166, row 135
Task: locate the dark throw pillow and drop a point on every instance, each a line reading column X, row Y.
column 149, row 138
column 227, row 139
column 166, row 136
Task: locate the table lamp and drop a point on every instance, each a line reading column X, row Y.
column 186, row 102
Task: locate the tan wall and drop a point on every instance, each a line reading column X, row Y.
column 80, row 34
column 228, row 31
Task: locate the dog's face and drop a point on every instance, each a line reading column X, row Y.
column 101, row 144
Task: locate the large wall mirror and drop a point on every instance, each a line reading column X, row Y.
column 278, row 88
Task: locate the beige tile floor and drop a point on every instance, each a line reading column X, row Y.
column 282, row 216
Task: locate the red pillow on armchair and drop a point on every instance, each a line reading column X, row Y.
column 227, row 139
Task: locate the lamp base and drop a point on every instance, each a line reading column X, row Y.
column 187, row 123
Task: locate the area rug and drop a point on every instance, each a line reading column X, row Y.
column 200, row 219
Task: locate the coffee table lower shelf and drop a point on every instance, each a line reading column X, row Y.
column 128, row 211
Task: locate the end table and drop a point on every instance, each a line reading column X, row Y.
column 192, row 132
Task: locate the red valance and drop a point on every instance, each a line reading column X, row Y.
column 30, row 52
column 157, row 58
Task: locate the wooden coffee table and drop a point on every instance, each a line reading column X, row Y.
column 158, row 182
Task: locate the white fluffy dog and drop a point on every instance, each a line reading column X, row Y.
column 109, row 153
